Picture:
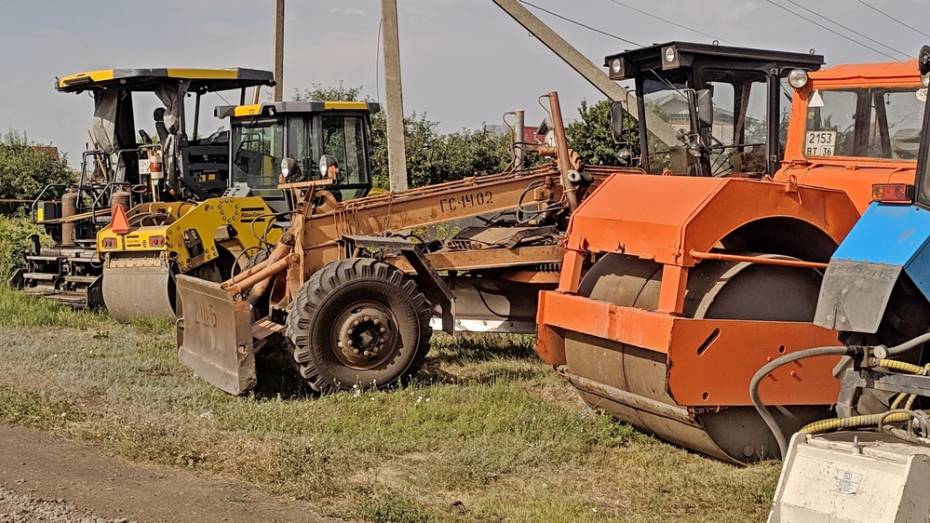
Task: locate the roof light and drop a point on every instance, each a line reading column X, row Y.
column 893, row 193
column 798, row 78
column 669, row 54
column 616, row 69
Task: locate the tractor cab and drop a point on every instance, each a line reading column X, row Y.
column 878, row 281
column 707, row 110
column 186, row 164
column 289, row 142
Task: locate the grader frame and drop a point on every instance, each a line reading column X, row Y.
column 219, row 333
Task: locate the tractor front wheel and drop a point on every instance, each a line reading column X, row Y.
column 358, row 323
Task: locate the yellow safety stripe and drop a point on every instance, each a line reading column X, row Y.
column 203, row 74
column 247, row 110
column 95, row 76
column 345, row 106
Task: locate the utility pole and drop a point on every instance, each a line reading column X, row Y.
column 278, row 50
column 394, row 97
column 586, row 68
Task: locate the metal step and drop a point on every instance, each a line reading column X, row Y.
column 81, row 279
column 40, row 276
column 39, row 290
column 76, row 300
column 83, row 260
column 42, row 258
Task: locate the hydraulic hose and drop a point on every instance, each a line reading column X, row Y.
column 767, row 369
column 908, row 345
column 902, row 366
column 855, row 421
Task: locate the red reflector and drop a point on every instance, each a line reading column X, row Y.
column 156, row 241
column 109, row 243
column 893, row 192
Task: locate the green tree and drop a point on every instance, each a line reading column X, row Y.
column 338, row 93
column 591, row 137
column 25, row 168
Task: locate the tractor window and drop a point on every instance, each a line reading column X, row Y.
column 258, row 148
column 299, row 131
column 895, row 124
column 737, row 141
column 344, row 138
column 873, row 123
column 666, row 108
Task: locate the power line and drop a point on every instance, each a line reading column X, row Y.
column 576, row 22
column 667, row 21
column 837, row 33
column 888, row 16
column 851, row 30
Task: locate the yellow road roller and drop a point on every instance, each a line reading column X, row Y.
column 144, row 248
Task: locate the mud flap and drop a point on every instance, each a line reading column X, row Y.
column 889, row 239
column 215, row 335
column 854, row 295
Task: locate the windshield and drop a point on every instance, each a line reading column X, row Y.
column 666, row 108
column 874, row 123
column 258, row 148
column 734, row 138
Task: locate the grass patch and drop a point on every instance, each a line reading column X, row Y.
column 395, row 509
column 34, row 409
column 486, row 433
column 19, row 311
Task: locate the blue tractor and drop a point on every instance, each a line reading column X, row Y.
column 872, row 462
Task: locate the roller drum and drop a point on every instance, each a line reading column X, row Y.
column 138, row 286
column 721, row 290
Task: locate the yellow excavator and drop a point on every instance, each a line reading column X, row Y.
column 143, row 250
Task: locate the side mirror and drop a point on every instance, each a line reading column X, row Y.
column 705, row 108
column 617, row 120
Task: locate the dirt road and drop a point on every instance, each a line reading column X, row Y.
column 51, row 480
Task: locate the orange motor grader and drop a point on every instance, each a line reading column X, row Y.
column 349, row 291
column 676, row 288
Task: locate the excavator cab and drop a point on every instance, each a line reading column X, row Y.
column 290, row 142
column 709, row 110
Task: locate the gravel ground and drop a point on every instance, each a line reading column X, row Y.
column 17, row 508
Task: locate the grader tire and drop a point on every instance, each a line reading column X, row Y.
column 358, row 323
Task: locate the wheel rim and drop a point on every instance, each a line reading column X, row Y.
column 364, row 335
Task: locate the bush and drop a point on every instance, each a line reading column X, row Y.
column 25, row 168
column 14, row 243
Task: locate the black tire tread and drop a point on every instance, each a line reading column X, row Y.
column 312, row 296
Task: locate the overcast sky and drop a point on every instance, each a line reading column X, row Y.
column 464, row 61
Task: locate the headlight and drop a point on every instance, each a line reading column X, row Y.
column 616, row 66
column 669, row 54
column 798, row 78
column 925, row 79
column 284, row 168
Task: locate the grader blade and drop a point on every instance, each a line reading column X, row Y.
column 215, row 335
